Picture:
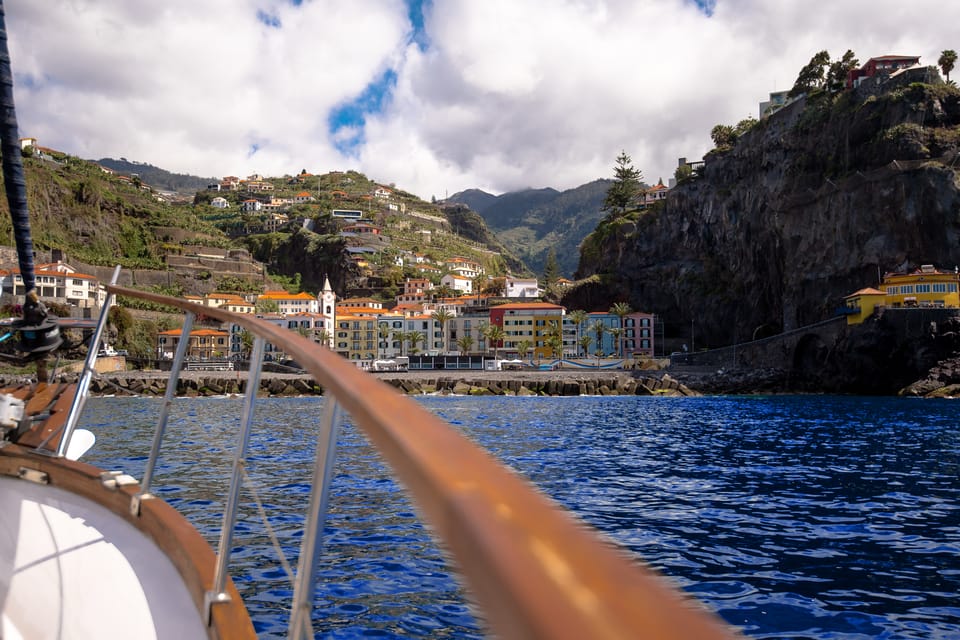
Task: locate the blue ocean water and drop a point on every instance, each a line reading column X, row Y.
column 790, row 516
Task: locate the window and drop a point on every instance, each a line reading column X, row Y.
column 940, row 287
column 923, row 288
column 907, row 288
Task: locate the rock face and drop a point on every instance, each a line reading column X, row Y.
column 809, row 206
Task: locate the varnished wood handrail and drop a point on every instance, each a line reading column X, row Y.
column 535, row 570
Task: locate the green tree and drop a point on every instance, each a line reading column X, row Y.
column 724, row 136
column 265, row 305
column 465, row 343
column 946, row 61
column 551, row 269
column 323, row 337
column 443, row 316
column 598, row 328
column 399, row 336
column 812, row 75
column 578, row 317
column 494, row 334
column 554, row 339
column 626, row 185
column 744, row 125
column 617, row 334
column 415, row 338
column 683, row 173
column 839, row 70
column 383, row 332
column 585, row 341
column 523, row 348
column 621, row 310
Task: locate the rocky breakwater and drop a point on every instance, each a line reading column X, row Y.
column 505, row 384
column 414, row 383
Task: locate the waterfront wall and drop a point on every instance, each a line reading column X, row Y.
column 288, row 386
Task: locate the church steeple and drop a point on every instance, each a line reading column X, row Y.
column 328, row 309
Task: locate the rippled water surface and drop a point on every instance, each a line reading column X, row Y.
column 792, row 517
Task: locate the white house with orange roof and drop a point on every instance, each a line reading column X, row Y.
column 655, row 193
column 230, row 302
column 292, row 302
column 303, row 196
column 58, row 282
column 251, row 205
column 382, row 192
column 457, row 283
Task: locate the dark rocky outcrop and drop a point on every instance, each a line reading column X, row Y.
column 807, row 207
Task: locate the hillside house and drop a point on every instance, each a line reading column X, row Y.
column 882, row 65
column 457, row 283
column 923, row 287
column 289, row 303
column 220, row 203
column 521, row 288
column 58, row 282
column 860, row 305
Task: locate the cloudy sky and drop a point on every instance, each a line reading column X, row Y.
column 435, row 96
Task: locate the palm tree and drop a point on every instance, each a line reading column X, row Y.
column 442, row 316
column 523, row 348
column 599, row 329
column 415, row 337
column 383, row 332
column 494, row 334
column 621, row 310
column 947, row 59
column 578, row 317
column 399, row 336
column 584, row 342
column 465, row 342
column 554, row 341
column 617, row 332
column 323, row 337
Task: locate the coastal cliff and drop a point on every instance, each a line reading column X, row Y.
column 808, row 206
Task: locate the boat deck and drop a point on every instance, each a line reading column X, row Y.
column 68, row 533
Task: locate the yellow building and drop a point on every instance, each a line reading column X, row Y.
column 355, row 337
column 861, row 304
column 528, row 321
column 924, row 287
column 204, row 343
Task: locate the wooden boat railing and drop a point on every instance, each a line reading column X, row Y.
column 535, row 571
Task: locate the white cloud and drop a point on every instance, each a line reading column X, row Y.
column 508, row 94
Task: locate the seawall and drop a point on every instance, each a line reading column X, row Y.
column 194, row 384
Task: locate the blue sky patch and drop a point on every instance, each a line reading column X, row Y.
column 706, row 6
column 346, row 122
column 267, row 19
column 351, row 117
column 415, row 11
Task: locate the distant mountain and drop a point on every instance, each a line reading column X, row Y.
column 475, row 199
column 533, row 221
column 155, row 176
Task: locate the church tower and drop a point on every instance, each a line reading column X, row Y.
column 328, row 308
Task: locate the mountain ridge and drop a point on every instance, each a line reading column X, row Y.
column 532, row 222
